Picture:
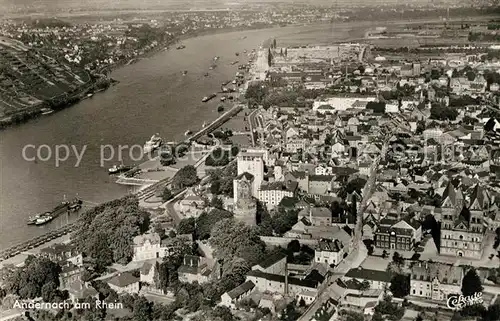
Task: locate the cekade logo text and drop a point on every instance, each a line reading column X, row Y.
column 457, row 302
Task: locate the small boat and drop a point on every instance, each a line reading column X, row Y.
column 204, row 124
column 180, row 47
column 184, row 72
column 226, row 82
column 46, row 111
column 32, row 219
column 234, row 82
column 235, row 62
column 223, row 98
column 115, row 169
column 152, row 144
column 90, row 95
column 44, row 219
column 245, row 51
column 216, row 58
column 207, row 98
column 206, row 74
column 188, row 132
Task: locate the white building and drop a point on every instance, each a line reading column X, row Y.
column 329, row 252
column 341, row 103
column 149, row 246
column 230, row 298
column 435, row 281
column 433, row 133
column 124, row 283
column 271, row 194
column 253, row 163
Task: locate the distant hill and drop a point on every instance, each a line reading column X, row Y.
column 59, row 6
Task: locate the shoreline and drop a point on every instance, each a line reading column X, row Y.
column 23, row 117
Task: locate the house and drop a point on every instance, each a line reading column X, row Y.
column 378, row 279
column 329, row 252
column 70, row 273
column 59, row 252
column 191, row 205
column 271, row 194
column 320, row 184
column 149, row 246
column 317, row 216
column 275, row 264
column 229, row 299
column 401, row 235
column 435, row 281
column 300, row 288
column 124, row 282
column 194, row 269
column 78, row 291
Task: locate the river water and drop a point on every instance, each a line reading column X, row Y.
column 152, row 97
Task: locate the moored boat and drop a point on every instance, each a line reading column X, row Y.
column 207, row 98
column 188, row 132
column 152, row 144
column 115, row 169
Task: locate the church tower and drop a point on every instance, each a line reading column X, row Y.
column 245, row 209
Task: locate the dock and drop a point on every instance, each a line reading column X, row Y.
column 216, row 123
column 152, row 187
column 36, row 241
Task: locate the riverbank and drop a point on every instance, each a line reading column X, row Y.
column 24, row 116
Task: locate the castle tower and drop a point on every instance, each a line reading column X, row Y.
column 245, row 209
column 253, row 163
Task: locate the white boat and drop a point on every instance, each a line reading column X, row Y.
column 152, row 144
column 46, row 111
column 90, row 95
column 188, row 132
column 43, row 219
column 204, row 124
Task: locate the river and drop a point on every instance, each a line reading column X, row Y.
column 152, row 97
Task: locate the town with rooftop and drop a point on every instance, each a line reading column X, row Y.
column 356, row 181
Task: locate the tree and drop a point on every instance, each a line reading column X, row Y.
column 274, row 43
column 443, row 113
column 185, row 177
column 365, row 285
column 158, row 228
column 384, row 254
column 206, row 222
column 166, row 195
column 470, row 75
column 106, row 232
column 217, row 203
column 269, row 57
column 293, row 246
column 256, row 91
column 400, row 285
column 397, row 259
column 186, row 226
column 471, row 283
column 142, row 309
column 283, row 220
column 38, row 277
column 231, row 239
